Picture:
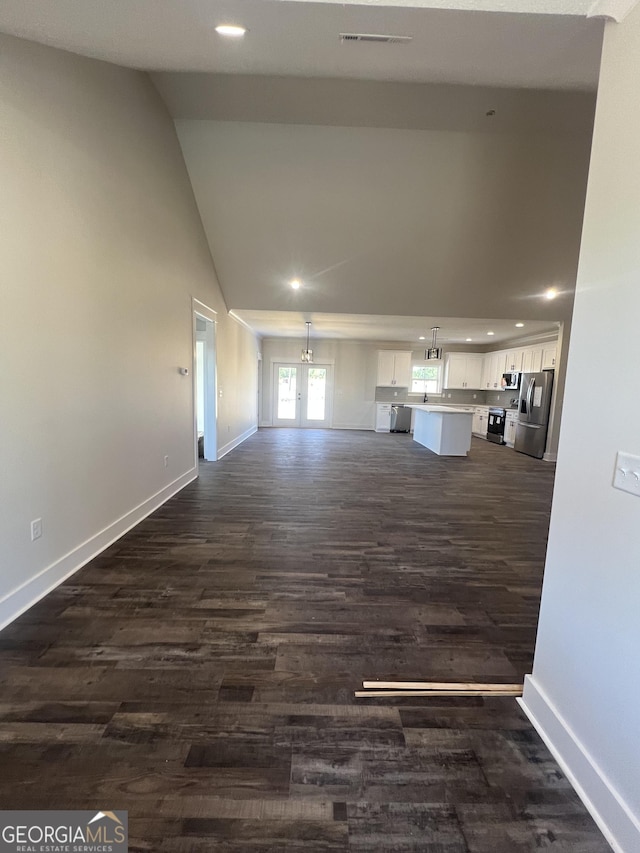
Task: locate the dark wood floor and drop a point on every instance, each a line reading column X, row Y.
column 200, row 673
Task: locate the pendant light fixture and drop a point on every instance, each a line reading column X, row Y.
column 307, row 354
column 434, row 351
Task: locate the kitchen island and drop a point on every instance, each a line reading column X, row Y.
column 443, row 429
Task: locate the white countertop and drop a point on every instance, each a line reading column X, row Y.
column 441, row 410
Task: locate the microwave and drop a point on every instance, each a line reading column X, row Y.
column 510, row 381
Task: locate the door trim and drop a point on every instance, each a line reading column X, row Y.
column 303, row 369
column 199, row 309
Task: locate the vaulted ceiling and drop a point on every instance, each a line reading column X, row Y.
column 439, row 177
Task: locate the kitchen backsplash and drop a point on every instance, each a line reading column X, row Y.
column 502, row 398
column 480, row 398
column 466, row 397
column 385, row 394
column 486, row 398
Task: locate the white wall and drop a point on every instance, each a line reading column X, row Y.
column 101, row 249
column 237, row 375
column 354, row 377
column 355, row 368
column 584, row 693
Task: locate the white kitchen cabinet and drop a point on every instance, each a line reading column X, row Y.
column 511, row 424
column 494, row 363
column 463, row 370
column 383, row 417
column 479, row 423
column 549, row 355
column 532, row 360
column 487, row 370
column 526, row 360
column 513, row 361
column 394, row 368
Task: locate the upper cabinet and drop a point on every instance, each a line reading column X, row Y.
column 532, row 360
column 494, row 363
column 513, row 361
column 394, row 368
column 463, row 370
column 549, row 356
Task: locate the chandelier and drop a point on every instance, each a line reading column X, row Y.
column 307, row 354
column 434, row 351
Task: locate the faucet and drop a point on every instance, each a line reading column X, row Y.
column 425, row 399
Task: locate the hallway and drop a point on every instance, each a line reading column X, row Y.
column 200, row 672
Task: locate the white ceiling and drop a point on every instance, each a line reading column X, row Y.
column 296, row 38
column 370, row 327
column 541, row 7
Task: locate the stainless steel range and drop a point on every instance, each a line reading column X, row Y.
column 496, row 424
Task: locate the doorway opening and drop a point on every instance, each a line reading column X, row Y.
column 302, row 395
column 204, row 383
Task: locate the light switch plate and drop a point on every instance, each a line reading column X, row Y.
column 626, row 476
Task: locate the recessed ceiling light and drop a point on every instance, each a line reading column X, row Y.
column 519, row 325
column 491, row 333
column 551, row 293
column 295, row 283
column 421, row 338
column 231, row 30
column 468, row 339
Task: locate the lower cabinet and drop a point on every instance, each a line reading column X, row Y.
column 383, row 417
column 479, row 423
column 511, row 424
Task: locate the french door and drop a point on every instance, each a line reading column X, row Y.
column 301, row 395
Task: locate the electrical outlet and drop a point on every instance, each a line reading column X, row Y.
column 626, row 476
column 36, row 529
column 166, row 461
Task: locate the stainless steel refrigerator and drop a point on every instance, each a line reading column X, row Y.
column 534, row 406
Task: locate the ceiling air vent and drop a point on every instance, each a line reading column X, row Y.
column 378, row 38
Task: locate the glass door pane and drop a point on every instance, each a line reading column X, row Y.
column 287, row 393
column 302, row 395
column 316, row 393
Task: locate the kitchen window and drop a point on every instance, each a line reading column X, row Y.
column 426, row 377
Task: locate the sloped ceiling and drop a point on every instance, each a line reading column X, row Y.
column 388, row 221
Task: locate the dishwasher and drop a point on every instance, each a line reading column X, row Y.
column 400, row 418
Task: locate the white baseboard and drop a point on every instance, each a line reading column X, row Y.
column 227, row 448
column 366, row 427
column 32, row 590
column 617, row 822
